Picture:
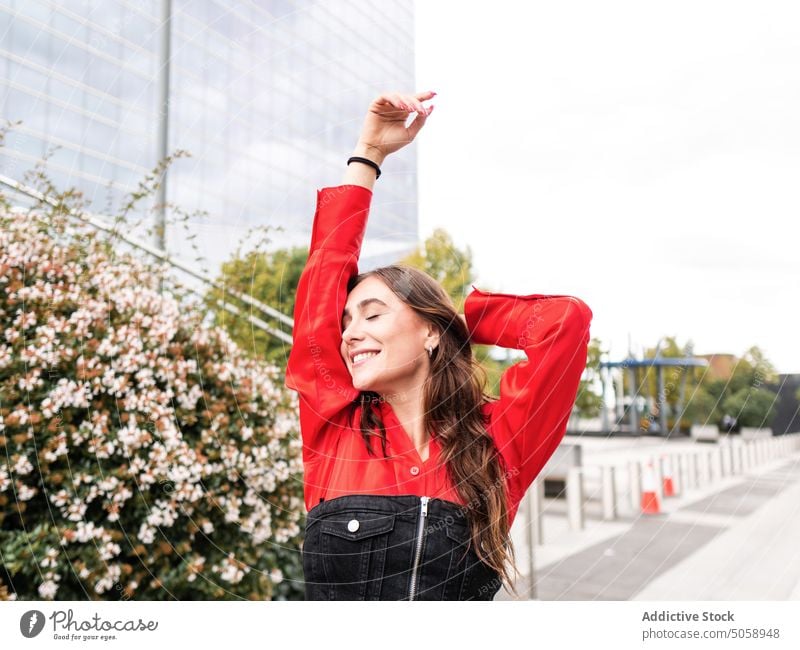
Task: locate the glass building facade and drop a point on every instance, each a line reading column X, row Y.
column 267, row 97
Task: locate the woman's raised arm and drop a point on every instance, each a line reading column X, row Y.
column 536, row 394
column 315, row 368
column 384, row 132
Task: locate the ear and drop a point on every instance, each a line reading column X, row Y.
column 432, row 335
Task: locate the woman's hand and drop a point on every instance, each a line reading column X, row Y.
column 384, row 129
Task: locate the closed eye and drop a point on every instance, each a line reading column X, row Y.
column 371, row 317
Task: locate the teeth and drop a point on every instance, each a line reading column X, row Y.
column 363, row 355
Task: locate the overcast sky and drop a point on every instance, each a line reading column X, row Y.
column 642, row 156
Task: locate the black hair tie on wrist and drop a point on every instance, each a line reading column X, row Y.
column 366, row 161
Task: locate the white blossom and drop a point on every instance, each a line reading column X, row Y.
column 23, row 465
column 48, row 589
column 49, row 559
column 276, row 575
column 26, row 492
column 146, row 533
column 126, row 376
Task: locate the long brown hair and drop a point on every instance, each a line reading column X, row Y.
column 452, row 398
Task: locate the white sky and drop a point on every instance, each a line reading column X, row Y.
column 642, row 156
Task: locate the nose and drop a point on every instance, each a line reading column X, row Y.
column 350, row 334
column 348, row 343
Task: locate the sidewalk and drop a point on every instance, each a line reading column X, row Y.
column 737, row 540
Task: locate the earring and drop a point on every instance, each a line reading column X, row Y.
column 430, row 351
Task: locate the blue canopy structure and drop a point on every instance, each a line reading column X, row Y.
column 632, row 366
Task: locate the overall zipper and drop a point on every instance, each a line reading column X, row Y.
column 418, row 551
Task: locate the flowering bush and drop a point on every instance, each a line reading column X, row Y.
column 143, row 455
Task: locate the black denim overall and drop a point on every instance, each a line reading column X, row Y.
column 374, row 547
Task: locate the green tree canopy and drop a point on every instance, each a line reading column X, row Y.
column 752, row 407
column 272, row 278
column 589, row 401
column 707, row 398
column 449, row 266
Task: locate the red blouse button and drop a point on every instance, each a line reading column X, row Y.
column 415, row 470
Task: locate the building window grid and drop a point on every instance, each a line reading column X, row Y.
column 71, row 171
column 83, row 150
column 79, row 85
column 403, row 221
column 281, row 34
column 87, row 47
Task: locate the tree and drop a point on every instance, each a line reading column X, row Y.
column 752, row 407
column 709, row 398
column 753, row 369
column 270, row 277
column 741, row 395
column 449, row 266
column 679, row 382
column 589, row 402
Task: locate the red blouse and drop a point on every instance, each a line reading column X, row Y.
column 527, row 422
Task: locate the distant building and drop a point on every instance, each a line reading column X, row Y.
column 787, row 404
column 720, row 366
column 267, row 96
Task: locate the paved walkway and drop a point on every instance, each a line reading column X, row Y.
column 735, row 540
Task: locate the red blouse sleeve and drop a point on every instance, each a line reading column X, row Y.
column 315, row 368
column 536, row 395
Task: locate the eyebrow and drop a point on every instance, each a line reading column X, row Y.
column 362, row 304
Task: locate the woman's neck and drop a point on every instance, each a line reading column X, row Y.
column 408, row 408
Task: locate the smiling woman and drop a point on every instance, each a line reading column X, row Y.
column 384, row 355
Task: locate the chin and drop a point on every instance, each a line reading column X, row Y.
column 360, row 383
column 365, row 383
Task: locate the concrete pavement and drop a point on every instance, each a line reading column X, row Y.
column 737, row 539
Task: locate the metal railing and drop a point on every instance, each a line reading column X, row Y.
column 101, row 223
column 688, row 470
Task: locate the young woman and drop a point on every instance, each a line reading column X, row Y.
column 413, row 474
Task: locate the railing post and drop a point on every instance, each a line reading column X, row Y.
column 532, row 517
column 659, row 475
column 677, row 473
column 665, row 469
column 720, row 460
column 736, row 457
column 691, row 471
column 609, row 494
column 635, row 480
column 706, row 466
column 575, row 498
column 536, row 493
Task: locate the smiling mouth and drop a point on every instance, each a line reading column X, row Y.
column 361, row 362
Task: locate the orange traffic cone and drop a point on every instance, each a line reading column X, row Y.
column 650, row 504
column 669, row 486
